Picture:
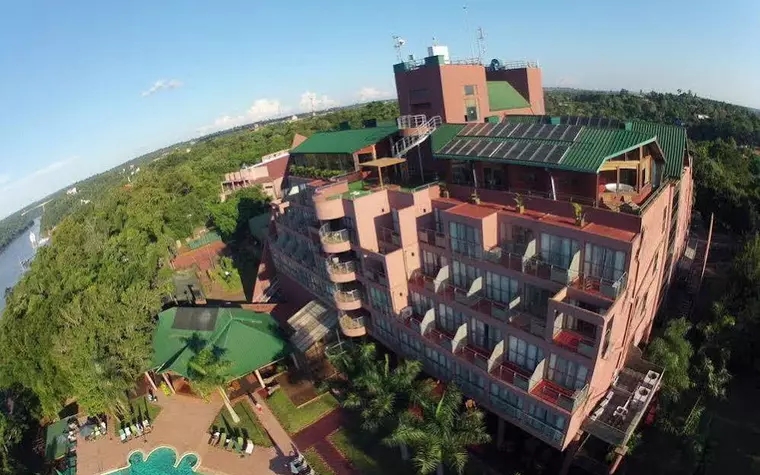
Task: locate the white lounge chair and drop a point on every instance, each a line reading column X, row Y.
column 122, row 435
column 128, row 432
column 249, row 447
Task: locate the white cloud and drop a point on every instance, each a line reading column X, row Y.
column 372, row 94
column 260, row 110
column 17, row 193
column 162, row 84
column 311, row 101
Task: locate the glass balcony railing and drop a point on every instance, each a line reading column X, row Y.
column 609, row 288
column 347, row 296
column 333, row 237
column 341, row 268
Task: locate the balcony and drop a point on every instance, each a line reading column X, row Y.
column 349, row 299
column 433, row 238
column 334, row 241
column 529, row 319
column 619, row 412
column 607, row 288
column 577, row 342
column 341, row 272
column 388, row 240
column 514, row 375
column 352, row 327
column 328, row 207
column 559, row 396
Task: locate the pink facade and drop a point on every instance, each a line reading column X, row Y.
column 268, row 174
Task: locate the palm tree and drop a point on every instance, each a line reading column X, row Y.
column 208, row 372
column 439, row 432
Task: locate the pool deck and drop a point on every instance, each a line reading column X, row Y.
column 182, row 424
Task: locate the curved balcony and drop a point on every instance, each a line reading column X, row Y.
column 329, row 207
column 348, row 299
column 334, row 242
column 340, row 272
column 352, row 327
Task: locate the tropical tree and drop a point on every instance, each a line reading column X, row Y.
column 208, row 371
column 674, row 351
column 439, row 431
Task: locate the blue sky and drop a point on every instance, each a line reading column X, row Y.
column 85, row 86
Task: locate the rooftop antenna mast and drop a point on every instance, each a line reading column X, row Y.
column 467, row 29
column 398, row 43
column 481, row 44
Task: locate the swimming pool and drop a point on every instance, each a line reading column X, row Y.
column 160, row 461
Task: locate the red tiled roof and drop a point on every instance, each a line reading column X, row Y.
column 469, row 210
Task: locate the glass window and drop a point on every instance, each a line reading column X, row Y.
column 464, row 275
column 547, row 417
column 483, row 336
column 500, row 288
column 379, row 299
column 421, row 304
column 449, row 320
column 506, row 395
column 567, row 373
column 603, row 263
column 471, row 110
column 493, row 178
column 524, row 354
column 470, row 90
column 558, row 251
column 465, row 240
column 431, row 263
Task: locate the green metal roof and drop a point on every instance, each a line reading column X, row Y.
column 586, row 152
column 344, row 141
column 672, row 140
column 502, row 96
column 443, row 134
column 248, row 339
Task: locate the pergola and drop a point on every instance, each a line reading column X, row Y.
column 380, row 163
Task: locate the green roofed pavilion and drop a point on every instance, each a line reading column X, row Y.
column 344, row 141
column 249, row 340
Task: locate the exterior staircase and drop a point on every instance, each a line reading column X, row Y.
column 418, row 128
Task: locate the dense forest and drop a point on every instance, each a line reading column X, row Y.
column 78, row 324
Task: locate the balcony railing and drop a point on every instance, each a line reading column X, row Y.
column 352, row 323
column 609, row 288
column 559, row 396
column 388, row 239
column 333, row 237
column 513, row 375
column 575, row 341
column 347, row 267
column 434, row 238
column 348, row 295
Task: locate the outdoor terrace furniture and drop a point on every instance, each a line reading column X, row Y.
column 128, row 432
column 240, row 445
column 249, row 447
column 222, row 438
column 134, row 430
column 146, row 425
column 122, row 435
column 139, row 429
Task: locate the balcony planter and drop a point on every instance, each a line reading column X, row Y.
column 519, row 203
column 580, row 216
column 475, row 199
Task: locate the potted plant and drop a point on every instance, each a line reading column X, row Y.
column 519, row 203
column 474, row 198
column 580, row 216
column 444, row 191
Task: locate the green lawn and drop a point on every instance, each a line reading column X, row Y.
column 368, row 455
column 139, row 410
column 294, row 419
column 317, row 463
column 249, row 426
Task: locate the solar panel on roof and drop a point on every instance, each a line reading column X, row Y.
column 490, row 147
column 571, row 133
column 483, row 131
column 503, row 150
column 557, row 132
column 528, row 153
column 466, row 145
column 200, row 319
column 556, row 154
column 467, row 129
column 515, row 151
column 449, row 146
column 507, row 129
column 518, row 130
column 544, row 131
column 493, row 132
column 475, row 151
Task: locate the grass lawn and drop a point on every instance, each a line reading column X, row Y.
column 249, row 426
column 317, row 463
column 140, row 409
column 229, row 283
column 368, row 455
column 294, row 419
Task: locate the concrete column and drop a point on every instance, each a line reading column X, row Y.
column 502, row 426
column 570, row 452
column 168, row 383
column 258, row 376
column 295, row 360
column 151, row 382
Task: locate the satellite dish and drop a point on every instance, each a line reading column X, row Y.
column 495, row 64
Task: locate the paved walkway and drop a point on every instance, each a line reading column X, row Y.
column 316, row 436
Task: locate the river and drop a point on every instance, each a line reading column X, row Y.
column 11, row 258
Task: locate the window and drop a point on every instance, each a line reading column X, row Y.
column 536, row 300
column 581, row 326
column 449, row 320
column 524, row 354
column 431, row 263
column 379, row 299
column 471, row 110
column 350, row 224
column 438, row 220
column 567, row 373
column 493, row 178
column 507, row 396
column 544, row 415
column 483, row 335
column 604, row 263
column 465, row 240
column 558, row 251
column 421, row 304
column 461, row 173
column 501, row 289
column 470, row 90
column 464, row 275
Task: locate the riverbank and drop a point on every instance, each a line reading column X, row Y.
column 6, row 240
column 14, row 259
